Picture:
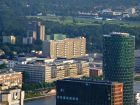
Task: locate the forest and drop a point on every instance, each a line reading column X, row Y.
column 13, row 20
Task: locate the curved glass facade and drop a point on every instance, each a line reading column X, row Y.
column 118, row 62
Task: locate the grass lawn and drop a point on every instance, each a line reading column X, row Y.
column 85, row 21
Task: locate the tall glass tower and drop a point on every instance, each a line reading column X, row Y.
column 118, row 62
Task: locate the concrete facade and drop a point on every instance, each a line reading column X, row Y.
column 67, row 48
column 12, row 97
column 10, row 88
column 10, row 79
column 9, row 39
column 38, row 72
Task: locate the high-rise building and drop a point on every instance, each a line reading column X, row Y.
column 28, row 40
column 118, row 61
column 67, row 48
column 36, row 30
column 9, row 39
column 42, row 32
column 83, row 92
column 34, row 35
column 32, row 29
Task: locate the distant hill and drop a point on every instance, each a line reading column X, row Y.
column 12, row 12
column 32, row 7
column 13, row 21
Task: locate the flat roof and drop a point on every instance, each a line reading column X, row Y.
column 120, row 33
column 89, row 81
column 117, row 34
column 4, row 72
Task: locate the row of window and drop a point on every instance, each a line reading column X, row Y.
column 68, row 98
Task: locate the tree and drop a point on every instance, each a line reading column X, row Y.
column 3, row 66
column 6, row 49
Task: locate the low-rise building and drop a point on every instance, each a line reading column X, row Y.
column 131, row 11
column 116, row 13
column 28, row 40
column 3, row 61
column 96, row 72
column 9, row 79
column 2, row 52
column 83, row 92
column 11, row 63
column 25, row 60
column 12, row 97
column 10, row 88
column 137, row 98
column 51, row 71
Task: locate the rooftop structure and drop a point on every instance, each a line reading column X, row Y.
column 58, row 36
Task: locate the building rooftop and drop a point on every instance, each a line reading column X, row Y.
column 8, row 89
column 90, row 81
column 51, row 62
column 68, row 39
column 118, row 34
column 5, row 71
